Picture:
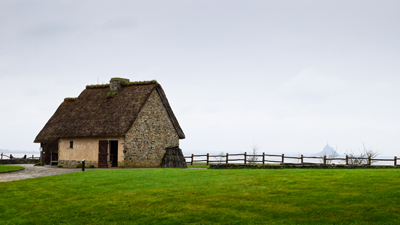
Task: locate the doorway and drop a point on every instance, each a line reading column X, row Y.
column 50, row 153
column 114, row 153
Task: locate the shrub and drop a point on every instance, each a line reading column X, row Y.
column 122, row 166
column 38, row 164
column 91, row 166
column 220, row 158
column 254, row 152
column 363, row 155
column 59, row 166
column 79, row 165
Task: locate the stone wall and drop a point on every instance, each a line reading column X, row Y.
column 74, row 163
column 304, row 166
column 19, row 161
column 150, row 134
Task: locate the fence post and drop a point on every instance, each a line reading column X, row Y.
column 324, row 159
column 395, row 160
column 301, row 159
column 208, row 156
column 369, row 160
column 245, row 157
column 347, row 160
column 1, row 156
column 226, row 158
column 263, row 158
column 283, row 158
column 191, row 162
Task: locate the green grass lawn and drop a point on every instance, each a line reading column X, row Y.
column 190, row 196
column 4, row 168
column 198, row 166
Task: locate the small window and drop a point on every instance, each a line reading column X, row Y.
column 71, row 144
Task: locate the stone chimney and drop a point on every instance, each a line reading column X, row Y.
column 115, row 83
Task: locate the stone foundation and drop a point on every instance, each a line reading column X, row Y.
column 19, row 161
column 74, row 163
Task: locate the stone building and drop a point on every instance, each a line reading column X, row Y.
column 118, row 124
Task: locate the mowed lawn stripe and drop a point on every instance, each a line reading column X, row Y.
column 7, row 168
column 179, row 196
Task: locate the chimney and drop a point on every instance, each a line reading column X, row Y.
column 115, row 83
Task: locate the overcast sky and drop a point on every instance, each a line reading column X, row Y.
column 289, row 76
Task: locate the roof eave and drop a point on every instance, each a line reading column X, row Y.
column 171, row 114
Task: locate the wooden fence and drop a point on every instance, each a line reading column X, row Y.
column 4, row 156
column 266, row 158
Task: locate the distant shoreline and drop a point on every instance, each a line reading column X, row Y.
column 18, row 152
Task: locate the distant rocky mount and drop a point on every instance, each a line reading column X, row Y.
column 328, row 151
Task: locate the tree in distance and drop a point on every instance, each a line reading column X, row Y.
column 361, row 156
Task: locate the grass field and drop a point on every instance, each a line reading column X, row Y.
column 198, row 166
column 198, row 196
column 6, row 168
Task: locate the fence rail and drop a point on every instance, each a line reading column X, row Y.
column 10, row 156
column 245, row 158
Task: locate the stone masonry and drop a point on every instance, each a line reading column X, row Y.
column 74, row 163
column 150, row 134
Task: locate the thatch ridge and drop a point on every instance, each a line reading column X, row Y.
column 92, row 114
column 123, row 83
column 139, row 83
column 96, row 86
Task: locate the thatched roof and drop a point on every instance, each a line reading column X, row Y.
column 93, row 114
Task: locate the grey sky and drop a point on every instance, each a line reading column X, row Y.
column 287, row 75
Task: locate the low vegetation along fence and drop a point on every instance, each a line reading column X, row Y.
column 10, row 159
column 282, row 159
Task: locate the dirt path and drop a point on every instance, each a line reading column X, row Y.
column 31, row 171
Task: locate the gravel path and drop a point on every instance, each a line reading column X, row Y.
column 31, row 171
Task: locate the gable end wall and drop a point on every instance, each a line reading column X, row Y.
column 150, row 134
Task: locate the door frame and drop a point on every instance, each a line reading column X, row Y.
column 109, row 151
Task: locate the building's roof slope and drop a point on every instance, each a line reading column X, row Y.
column 92, row 114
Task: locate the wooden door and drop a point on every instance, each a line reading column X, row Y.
column 103, row 147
